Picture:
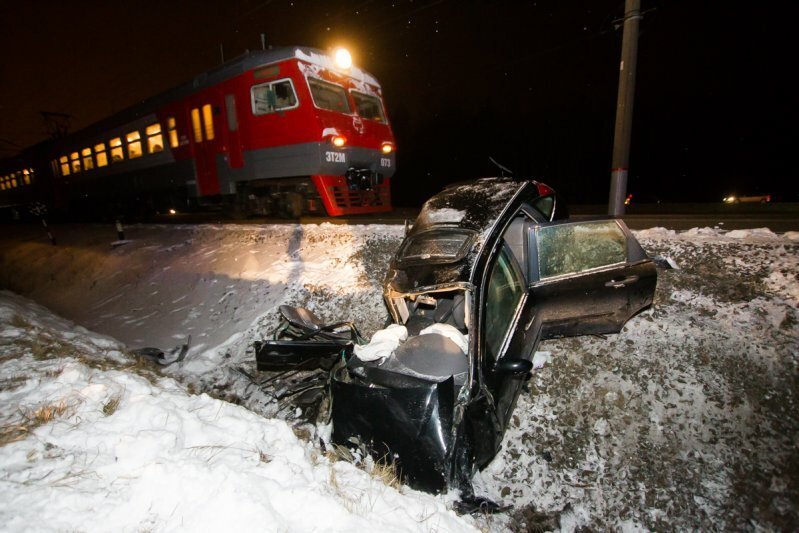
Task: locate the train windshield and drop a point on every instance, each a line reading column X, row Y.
column 368, row 106
column 329, row 96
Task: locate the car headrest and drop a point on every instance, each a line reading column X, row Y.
column 452, row 311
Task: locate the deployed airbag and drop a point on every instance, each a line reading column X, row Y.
column 383, row 343
column 432, row 356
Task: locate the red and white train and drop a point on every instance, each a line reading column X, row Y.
column 284, row 131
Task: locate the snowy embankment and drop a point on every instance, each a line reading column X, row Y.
column 685, row 420
column 90, row 442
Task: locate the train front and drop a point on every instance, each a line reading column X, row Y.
column 356, row 149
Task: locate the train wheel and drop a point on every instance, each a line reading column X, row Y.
column 293, row 203
column 235, row 207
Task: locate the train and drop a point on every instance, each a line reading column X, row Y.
column 283, row 131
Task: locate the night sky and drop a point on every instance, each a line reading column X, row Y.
column 531, row 84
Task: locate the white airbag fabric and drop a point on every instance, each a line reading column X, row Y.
column 450, row 332
column 383, row 343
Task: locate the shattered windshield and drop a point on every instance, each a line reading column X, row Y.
column 446, row 245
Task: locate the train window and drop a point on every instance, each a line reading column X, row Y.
column 134, row 144
column 26, row 178
column 208, row 120
column 155, row 141
column 173, row 132
column 117, row 154
column 368, row 106
column 329, row 96
column 196, row 126
column 88, row 162
column 230, row 107
column 64, row 165
column 275, row 96
column 75, row 158
column 100, row 155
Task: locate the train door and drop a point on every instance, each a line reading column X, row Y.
column 204, row 133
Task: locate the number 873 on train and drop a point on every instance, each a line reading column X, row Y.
column 285, row 131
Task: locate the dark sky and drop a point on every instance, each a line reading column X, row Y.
column 532, row 84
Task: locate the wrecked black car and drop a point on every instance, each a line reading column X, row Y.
column 488, row 270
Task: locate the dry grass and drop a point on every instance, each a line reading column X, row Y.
column 12, row 382
column 46, row 413
column 31, row 420
column 110, row 407
column 18, row 322
column 382, row 469
column 263, row 456
column 43, row 348
column 388, row 473
column 13, row 433
column 337, row 452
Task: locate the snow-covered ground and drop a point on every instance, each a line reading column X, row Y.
column 90, row 443
column 685, row 420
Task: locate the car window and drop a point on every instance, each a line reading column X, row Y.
column 505, row 287
column 545, row 205
column 436, row 246
column 572, row 248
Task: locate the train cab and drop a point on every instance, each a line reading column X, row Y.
column 284, row 131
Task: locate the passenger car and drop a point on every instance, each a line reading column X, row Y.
column 492, row 265
column 754, row 198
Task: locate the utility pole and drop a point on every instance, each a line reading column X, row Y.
column 624, row 108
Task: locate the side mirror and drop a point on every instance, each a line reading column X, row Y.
column 514, row 366
column 665, row 263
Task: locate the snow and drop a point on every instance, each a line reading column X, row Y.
column 320, row 61
column 442, row 215
column 129, row 453
column 541, row 358
column 687, row 419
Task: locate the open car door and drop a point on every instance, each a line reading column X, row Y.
column 587, row 277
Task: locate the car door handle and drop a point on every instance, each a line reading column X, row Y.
column 618, row 284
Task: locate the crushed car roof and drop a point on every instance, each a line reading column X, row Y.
column 450, row 232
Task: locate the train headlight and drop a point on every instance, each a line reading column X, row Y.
column 338, row 140
column 387, row 148
column 343, row 58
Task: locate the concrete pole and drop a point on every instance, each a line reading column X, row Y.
column 624, row 108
